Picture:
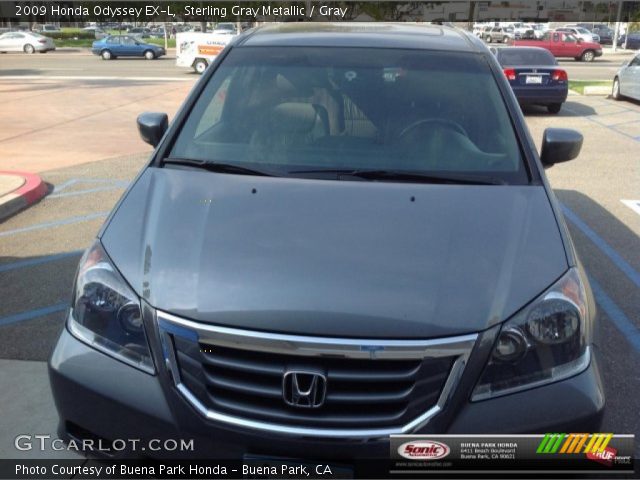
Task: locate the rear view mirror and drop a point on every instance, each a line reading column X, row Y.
column 152, row 126
column 560, row 145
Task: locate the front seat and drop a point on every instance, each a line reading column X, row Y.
column 287, row 126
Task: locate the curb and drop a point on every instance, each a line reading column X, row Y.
column 32, row 190
column 597, row 90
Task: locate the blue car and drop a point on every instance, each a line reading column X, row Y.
column 115, row 46
column 633, row 41
column 534, row 76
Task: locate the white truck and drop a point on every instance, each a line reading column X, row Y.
column 197, row 50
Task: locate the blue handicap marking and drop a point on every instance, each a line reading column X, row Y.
column 94, row 185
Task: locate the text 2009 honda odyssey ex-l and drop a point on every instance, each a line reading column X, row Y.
column 345, row 233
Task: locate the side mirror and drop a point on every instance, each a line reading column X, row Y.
column 560, row 145
column 152, row 126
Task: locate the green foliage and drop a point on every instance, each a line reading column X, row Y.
column 70, row 35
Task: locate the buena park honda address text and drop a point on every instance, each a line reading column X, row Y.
column 99, row 471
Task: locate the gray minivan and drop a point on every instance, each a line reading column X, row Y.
column 345, row 233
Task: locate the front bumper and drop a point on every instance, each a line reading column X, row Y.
column 98, row 396
column 541, row 95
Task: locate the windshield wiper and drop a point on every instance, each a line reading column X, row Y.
column 407, row 176
column 219, row 167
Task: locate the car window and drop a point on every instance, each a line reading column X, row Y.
column 293, row 108
column 635, row 62
column 568, row 38
column 113, row 40
column 522, row 56
column 129, row 41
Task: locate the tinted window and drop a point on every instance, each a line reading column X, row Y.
column 282, row 109
column 523, row 56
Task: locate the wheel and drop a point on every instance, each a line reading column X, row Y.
column 505, row 39
column 106, row 55
column 200, row 66
column 588, row 56
column 615, row 91
column 149, row 55
column 28, row 48
column 487, row 39
column 554, row 107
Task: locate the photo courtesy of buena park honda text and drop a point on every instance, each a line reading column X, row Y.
column 319, row 239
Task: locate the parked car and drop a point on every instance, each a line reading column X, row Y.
column 115, row 46
column 228, row 27
column 139, row 32
column 606, row 35
column 27, row 42
column 626, row 83
column 563, row 45
column 539, row 30
column 632, row 41
column 534, row 76
column 581, row 33
column 499, row 34
column 47, row 28
column 97, row 31
column 295, row 276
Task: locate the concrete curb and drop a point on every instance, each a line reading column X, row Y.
column 597, row 90
column 32, row 190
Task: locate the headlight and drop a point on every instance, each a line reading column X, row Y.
column 106, row 313
column 545, row 342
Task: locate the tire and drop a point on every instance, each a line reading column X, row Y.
column 149, row 55
column 505, row 39
column 588, row 56
column 200, row 66
column 615, row 90
column 28, row 48
column 554, row 107
column 487, row 39
column 106, row 55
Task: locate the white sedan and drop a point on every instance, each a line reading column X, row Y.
column 627, row 81
column 27, row 42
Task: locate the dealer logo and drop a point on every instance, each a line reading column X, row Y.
column 424, row 450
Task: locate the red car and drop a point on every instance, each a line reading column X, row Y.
column 562, row 44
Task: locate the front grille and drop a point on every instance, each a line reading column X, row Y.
column 360, row 393
column 372, row 386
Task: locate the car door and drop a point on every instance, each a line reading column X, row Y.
column 130, row 47
column 5, row 42
column 632, row 79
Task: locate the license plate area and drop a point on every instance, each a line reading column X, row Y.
column 533, row 79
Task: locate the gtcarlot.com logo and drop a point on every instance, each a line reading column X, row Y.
column 424, row 450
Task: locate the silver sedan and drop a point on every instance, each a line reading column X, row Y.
column 27, row 42
column 626, row 83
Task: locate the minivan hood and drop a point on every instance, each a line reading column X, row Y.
column 334, row 258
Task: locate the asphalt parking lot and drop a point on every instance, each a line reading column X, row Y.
column 40, row 247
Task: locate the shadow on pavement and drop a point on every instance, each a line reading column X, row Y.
column 569, row 109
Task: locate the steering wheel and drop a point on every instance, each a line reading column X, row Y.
column 450, row 124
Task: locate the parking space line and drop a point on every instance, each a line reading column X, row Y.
column 57, row 223
column 31, row 314
column 616, row 315
column 609, row 251
column 83, row 192
column 38, row 261
column 591, row 118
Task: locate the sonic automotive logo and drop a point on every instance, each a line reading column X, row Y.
column 424, row 450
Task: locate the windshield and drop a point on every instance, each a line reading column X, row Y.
column 522, row 56
column 290, row 109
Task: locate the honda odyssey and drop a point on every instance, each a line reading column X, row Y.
column 345, row 233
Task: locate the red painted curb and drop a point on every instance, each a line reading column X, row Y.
column 29, row 193
column 32, row 190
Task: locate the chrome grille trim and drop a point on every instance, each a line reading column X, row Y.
column 301, row 345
